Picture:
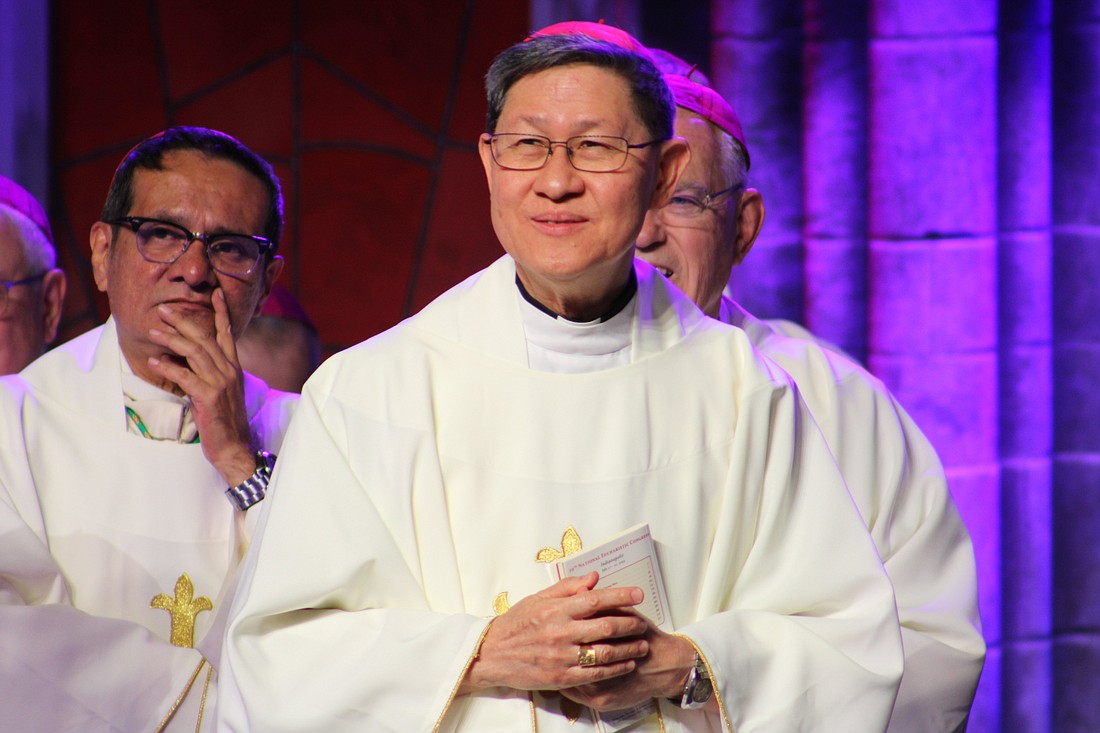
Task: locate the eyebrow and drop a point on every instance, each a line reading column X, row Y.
column 171, row 218
column 580, row 125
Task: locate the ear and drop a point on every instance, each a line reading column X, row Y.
column 53, row 297
column 100, row 238
column 271, row 274
column 750, row 219
column 674, row 160
column 485, row 151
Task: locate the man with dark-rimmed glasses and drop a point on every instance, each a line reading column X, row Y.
column 130, row 456
column 32, row 289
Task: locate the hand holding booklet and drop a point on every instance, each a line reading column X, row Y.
column 627, row 559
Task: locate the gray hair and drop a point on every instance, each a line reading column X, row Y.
column 733, row 164
column 37, row 250
column 653, row 102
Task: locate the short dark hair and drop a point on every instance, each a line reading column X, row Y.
column 653, row 101
column 149, row 155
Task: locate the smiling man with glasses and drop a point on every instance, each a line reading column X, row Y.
column 549, row 403
column 32, row 289
column 130, row 456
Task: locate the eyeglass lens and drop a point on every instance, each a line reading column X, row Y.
column 165, row 243
column 592, row 153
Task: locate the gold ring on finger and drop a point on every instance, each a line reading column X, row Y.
column 586, row 656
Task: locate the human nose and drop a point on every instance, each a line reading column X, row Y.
column 558, row 178
column 652, row 234
column 194, row 263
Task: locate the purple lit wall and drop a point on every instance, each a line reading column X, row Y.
column 931, row 170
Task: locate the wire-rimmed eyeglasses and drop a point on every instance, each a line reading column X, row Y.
column 590, row 153
column 7, row 285
column 164, row 242
column 689, row 204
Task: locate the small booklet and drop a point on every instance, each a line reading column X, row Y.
column 628, row 558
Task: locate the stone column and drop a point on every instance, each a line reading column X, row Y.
column 834, row 171
column 1024, row 275
column 932, row 305
column 756, row 63
column 1076, row 317
column 25, row 94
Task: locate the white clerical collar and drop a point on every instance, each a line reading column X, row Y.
column 560, row 345
column 164, row 415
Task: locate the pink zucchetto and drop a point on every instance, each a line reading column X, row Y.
column 597, row 31
column 19, row 199
column 708, row 104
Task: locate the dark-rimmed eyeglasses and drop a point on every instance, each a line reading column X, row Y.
column 164, row 242
column 693, row 204
column 7, row 285
column 590, row 153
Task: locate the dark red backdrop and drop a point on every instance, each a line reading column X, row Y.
column 369, row 111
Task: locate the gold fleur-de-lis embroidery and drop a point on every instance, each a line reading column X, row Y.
column 501, row 604
column 182, row 609
column 570, row 544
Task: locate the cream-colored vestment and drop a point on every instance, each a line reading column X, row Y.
column 428, row 466
column 96, row 522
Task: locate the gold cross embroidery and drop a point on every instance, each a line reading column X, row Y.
column 182, row 609
column 570, row 545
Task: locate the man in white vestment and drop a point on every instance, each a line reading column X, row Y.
column 129, row 456
column 32, row 289
column 890, row 468
column 435, row 473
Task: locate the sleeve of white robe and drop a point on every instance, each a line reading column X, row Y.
column 898, row 483
column 62, row 669
column 808, row 639
column 927, row 554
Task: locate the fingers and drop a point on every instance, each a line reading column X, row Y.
column 223, row 328
column 585, row 600
column 570, row 586
column 212, row 360
column 611, row 626
column 605, row 602
column 597, row 655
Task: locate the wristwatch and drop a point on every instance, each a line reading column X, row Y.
column 698, row 688
column 251, row 491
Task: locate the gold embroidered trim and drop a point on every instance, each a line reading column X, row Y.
column 462, row 676
column 713, row 681
column 175, row 706
column 501, row 604
column 182, row 609
column 202, row 702
column 570, row 545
